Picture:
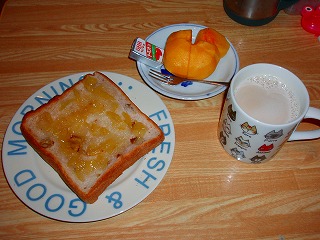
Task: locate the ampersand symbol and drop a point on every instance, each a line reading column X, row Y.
column 117, row 203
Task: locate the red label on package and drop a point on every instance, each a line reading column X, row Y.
column 149, row 51
column 146, row 53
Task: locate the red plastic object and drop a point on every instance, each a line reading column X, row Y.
column 310, row 20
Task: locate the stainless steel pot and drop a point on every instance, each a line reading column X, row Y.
column 255, row 12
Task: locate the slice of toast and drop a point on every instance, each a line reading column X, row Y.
column 90, row 134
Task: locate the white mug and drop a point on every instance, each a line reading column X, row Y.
column 250, row 127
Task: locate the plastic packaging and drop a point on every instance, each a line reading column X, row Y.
column 146, row 53
column 310, row 20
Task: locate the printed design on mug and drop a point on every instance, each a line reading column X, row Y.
column 258, row 159
column 222, row 138
column 232, row 114
column 273, row 135
column 244, row 144
column 226, row 127
column 237, row 154
column 248, row 130
column 265, row 148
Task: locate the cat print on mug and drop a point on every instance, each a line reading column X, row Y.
column 258, row 159
column 242, row 143
column 265, row 148
column 273, row 135
column 226, row 127
column 223, row 139
column 248, row 130
column 232, row 114
column 237, row 154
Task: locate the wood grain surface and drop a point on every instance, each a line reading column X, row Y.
column 206, row 194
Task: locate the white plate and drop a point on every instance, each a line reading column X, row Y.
column 37, row 185
column 225, row 70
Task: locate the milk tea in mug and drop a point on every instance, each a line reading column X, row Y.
column 267, row 99
column 264, row 105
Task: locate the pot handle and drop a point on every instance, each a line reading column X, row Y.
column 285, row 4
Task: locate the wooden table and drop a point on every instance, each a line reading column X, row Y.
column 206, row 194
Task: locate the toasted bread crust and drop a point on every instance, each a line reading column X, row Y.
column 122, row 162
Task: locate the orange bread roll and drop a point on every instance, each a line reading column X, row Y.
column 194, row 61
column 213, row 37
column 203, row 60
column 177, row 59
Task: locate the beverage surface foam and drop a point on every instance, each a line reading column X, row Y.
column 267, row 99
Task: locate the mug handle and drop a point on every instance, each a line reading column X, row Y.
column 305, row 135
